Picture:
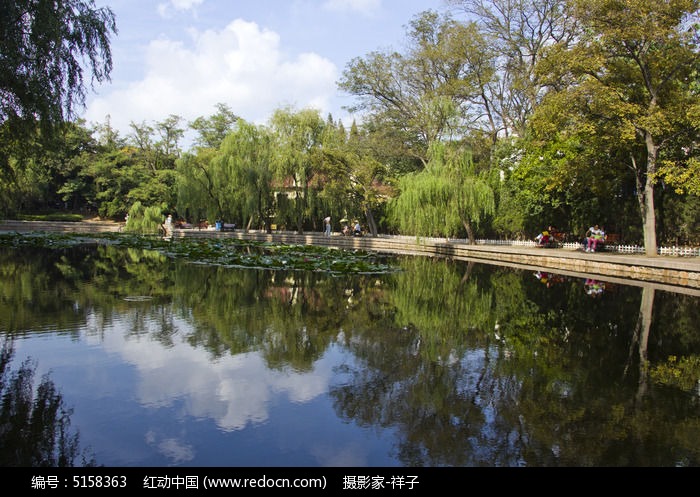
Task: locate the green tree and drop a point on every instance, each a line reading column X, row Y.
column 628, row 81
column 212, row 130
column 245, row 165
column 431, row 92
column 298, row 140
column 146, row 220
column 197, row 186
column 45, row 172
column 444, row 198
column 157, row 149
column 44, row 48
column 355, row 177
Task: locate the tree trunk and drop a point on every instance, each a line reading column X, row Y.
column 646, row 197
column 645, row 315
column 470, row 232
column 371, row 223
column 640, row 340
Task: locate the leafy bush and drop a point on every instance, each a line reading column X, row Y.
column 144, row 220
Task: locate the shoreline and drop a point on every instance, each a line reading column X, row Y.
column 663, row 271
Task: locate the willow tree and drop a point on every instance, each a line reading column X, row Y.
column 444, row 198
column 198, row 189
column 245, row 162
column 45, row 48
column 232, row 183
column 298, row 140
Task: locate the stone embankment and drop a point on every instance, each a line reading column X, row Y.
column 60, row 227
column 663, row 272
column 666, row 272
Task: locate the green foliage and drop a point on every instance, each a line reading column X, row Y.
column 627, row 86
column 145, row 220
column 298, row 139
column 213, row 130
column 609, row 114
column 444, row 198
column 45, row 49
column 430, row 93
column 244, row 169
column 683, row 373
column 679, row 218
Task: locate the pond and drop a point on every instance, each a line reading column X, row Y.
column 160, row 360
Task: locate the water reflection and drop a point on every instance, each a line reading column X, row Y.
column 594, row 288
column 440, row 364
column 35, row 425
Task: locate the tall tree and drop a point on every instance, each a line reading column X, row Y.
column 517, row 33
column 630, row 77
column 157, row 151
column 44, row 46
column 298, row 138
column 431, row 92
column 245, row 166
column 213, row 130
column 198, row 190
column 355, row 176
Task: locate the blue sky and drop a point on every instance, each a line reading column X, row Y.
column 182, row 57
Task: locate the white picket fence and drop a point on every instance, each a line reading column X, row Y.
column 627, row 249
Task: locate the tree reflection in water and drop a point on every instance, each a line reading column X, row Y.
column 35, row 426
column 450, row 363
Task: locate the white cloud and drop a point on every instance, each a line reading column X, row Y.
column 240, row 65
column 164, row 9
column 185, row 4
column 366, row 7
column 235, row 391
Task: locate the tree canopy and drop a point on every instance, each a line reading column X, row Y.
column 43, row 48
column 564, row 112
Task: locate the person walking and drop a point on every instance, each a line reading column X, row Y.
column 168, row 226
column 327, row 222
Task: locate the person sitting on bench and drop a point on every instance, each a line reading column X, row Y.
column 594, row 236
column 357, row 230
column 545, row 238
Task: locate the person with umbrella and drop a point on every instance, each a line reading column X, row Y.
column 346, row 226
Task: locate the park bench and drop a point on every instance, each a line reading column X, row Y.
column 556, row 240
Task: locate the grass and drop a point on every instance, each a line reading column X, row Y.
column 52, row 216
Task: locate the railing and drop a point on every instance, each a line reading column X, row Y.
column 626, row 249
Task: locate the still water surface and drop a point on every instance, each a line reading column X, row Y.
column 168, row 363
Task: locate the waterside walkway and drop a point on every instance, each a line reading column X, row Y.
column 674, row 273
